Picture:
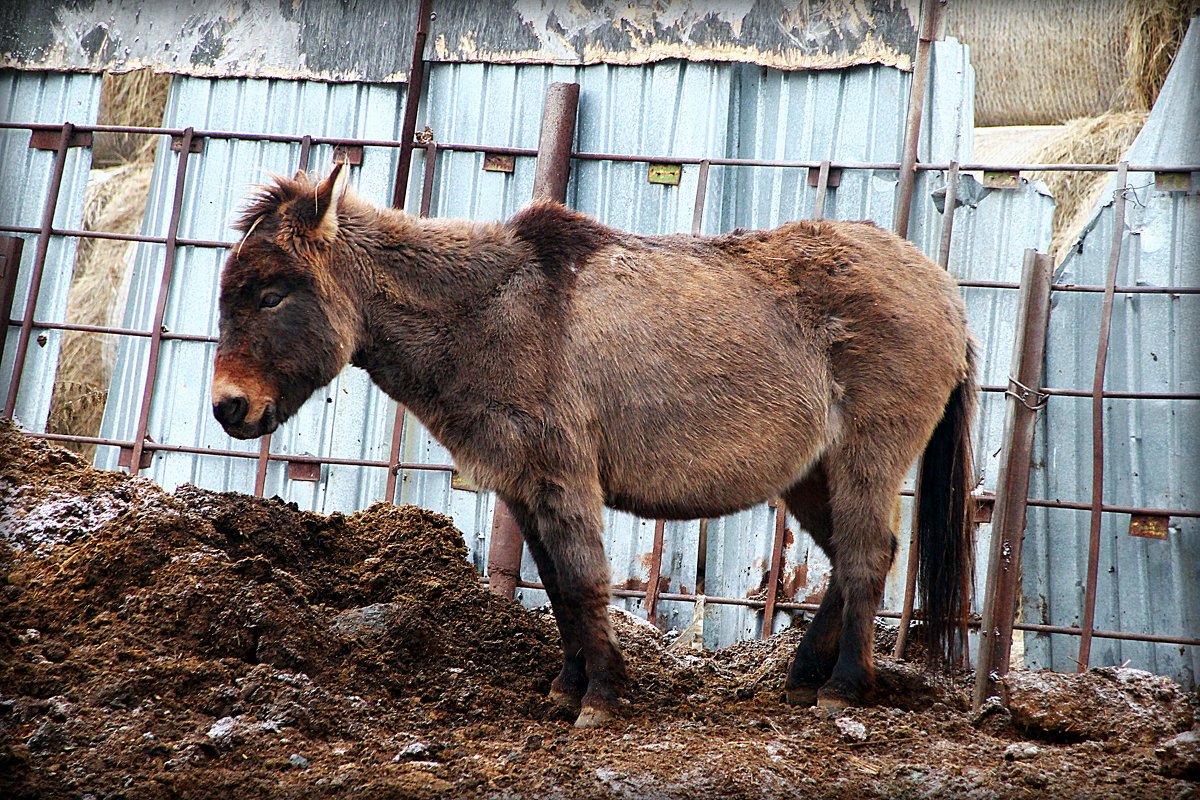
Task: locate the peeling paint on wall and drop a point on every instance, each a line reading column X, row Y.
column 371, row 40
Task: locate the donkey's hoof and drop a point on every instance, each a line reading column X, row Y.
column 801, row 696
column 564, row 700
column 831, row 703
column 593, row 717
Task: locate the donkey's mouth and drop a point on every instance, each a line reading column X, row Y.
column 238, row 426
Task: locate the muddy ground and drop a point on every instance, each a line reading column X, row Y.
column 200, row 644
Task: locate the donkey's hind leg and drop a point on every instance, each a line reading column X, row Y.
column 563, row 528
column 808, row 502
column 862, row 547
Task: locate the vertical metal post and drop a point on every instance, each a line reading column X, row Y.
column 910, row 574
column 264, row 446
column 822, row 189
column 156, row 330
column 555, row 145
column 951, row 203
column 775, row 567
column 10, row 264
column 412, row 100
column 930, row 23
column 39, row 264
column 652, row 585
column 1087, row 625
column 701, row 192
column 556, row 141
column 1008, row 524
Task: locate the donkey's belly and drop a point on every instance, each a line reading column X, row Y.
column 687, row 471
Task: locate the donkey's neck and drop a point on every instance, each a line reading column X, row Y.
column 430, row 283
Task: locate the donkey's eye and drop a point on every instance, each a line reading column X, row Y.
column 271, row 299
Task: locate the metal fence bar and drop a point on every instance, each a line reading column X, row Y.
column 701, row 193
column 930, row 18
column 160, row 307
column 949, row 205
column 39, row 264
column 654, row 580
column 822, row 189
column 412, row 100
column 10, row 265
column 1093, row 563
column 775, row 568
column 1008, row 527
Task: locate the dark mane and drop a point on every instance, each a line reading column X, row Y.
column 269, row 199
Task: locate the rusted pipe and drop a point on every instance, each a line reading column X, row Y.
column 1008, row 526
column 1087, row 623
column 556, row 141
column 10, row 265
column 775, row 568
column 652, row 584
column 550, row 181
column 38, row 266
column 412, row 101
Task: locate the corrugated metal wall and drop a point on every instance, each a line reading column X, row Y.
column 1152, row 447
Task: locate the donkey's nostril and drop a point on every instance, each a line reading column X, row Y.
column 231, row 411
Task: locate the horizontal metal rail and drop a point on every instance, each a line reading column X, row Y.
column 750, row 602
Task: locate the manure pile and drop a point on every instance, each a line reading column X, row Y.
column 199, row 644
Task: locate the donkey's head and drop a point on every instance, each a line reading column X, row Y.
column 288, row 322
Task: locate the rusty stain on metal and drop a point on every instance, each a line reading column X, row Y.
column 832, row 182
column 195, row 144
column 654, row 582
column 125, row 456
column 351, row 154
column 499, row 162
column 1001, row 179
column 462, row 482
column 1149, row 526
column 666, row 174
column 1177, row 181
column 49, row 139
column 984, row 506
column 309, row 471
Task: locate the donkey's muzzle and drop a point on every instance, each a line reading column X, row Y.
column 231, row 411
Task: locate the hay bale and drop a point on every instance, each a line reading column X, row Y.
column 1103, row 139
column 136, row 99
column 1042, row 62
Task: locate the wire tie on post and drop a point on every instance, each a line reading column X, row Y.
column 1025, row 394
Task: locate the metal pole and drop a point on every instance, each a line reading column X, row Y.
column 776, row 566
column 1008, row 527
column 39, row 263
column 412, row 100
column 1087, row 625
column 10, row 265
column 930, row 21
column 655, row 581
column 156, row 330
column 550, row 181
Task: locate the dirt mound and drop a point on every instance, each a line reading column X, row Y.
column 198, row 643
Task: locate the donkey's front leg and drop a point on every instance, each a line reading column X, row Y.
column 562, row 526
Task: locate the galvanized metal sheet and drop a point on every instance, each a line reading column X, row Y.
column 371, row 40
column 1151, row 447
column 25, row 176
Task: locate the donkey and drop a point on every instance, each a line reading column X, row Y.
column 567, row 365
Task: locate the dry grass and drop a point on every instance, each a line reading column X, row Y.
column 115, row 203
column 1103, row 139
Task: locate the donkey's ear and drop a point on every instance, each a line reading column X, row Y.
column 326, row 197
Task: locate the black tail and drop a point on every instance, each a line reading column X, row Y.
column 945, row 529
